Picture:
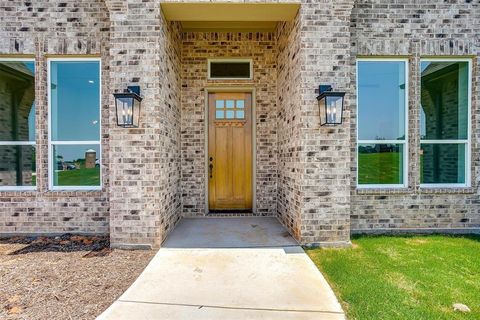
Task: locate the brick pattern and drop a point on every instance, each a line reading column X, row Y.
column 416, row 30
column 290, row 58
column 305, row 173
column 197, row 47
column 144, row 193
column 325, row 151
column 38, row 28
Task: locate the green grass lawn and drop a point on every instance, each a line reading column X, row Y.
column 417, row 277
column 79, row 177
column 380, row 168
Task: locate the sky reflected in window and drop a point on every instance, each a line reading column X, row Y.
column 75, row 100
column 381, row 100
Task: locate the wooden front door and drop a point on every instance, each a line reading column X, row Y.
column 230, row 151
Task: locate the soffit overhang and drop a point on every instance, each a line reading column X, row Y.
column 206, row 16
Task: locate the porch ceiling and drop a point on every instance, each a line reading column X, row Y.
column 229, row 16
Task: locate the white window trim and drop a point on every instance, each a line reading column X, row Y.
column 468, row 141
column 250, row 61
column 51, row 143
column 403, row 142
column 19, row 143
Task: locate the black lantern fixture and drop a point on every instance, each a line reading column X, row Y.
column 128, row 107
column 330, row 104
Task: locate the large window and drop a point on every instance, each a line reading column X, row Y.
column 17, row 124
column 382, row 122
column 445, row 122
column 74, row 128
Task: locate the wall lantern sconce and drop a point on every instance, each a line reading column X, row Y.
column 331, row 105
column 127, row 105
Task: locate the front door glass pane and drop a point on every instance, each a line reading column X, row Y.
column 230, row 114
column 220, row 114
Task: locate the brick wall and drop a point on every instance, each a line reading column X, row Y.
column 314, row 171
column 144, row 192
column 290, row 59
column 197, row 47
column 305, row 173
column 414, row 29
column 38, row 28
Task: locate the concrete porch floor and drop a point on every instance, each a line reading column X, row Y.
column 228, row 268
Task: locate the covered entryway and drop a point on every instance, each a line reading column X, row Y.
column 298, row 171
column 228, row 100
column 228, row 268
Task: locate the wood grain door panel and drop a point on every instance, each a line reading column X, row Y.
column 230, row 151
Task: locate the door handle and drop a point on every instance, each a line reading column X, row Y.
column 211, row 168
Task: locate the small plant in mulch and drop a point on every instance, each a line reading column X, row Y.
column 98, row 246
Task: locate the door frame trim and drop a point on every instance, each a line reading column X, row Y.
column 251, row 90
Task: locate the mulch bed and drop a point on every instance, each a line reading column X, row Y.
column 64, row 277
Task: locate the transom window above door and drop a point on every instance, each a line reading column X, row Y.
column 230, row 69
column 230, row 109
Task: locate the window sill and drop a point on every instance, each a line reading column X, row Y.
column 446, row 190
column 18, row 192
column 420, row 190
column 382, row 190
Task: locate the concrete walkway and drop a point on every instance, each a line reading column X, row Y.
column 228, row 268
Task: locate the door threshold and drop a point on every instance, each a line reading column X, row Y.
column 230, row 213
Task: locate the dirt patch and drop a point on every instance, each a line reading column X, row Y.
column 416, row 241
column 355, row 246
column 66, row 277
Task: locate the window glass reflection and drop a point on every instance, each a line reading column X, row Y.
column 76, row 165
column 75, row 100
column 230, row 104
column 444, row 100
column 220, row 114
column 17, row 101
column 230, row 114
column 17, row 165
column 381, row 100
column 229, row 69
column 442, row 163
column 240, row 114
column 219, row 104
column 380, row 163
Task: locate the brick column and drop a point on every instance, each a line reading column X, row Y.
column 325, row 151
column 144, row 168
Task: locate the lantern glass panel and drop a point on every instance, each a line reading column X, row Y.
column 136, row 112
column 334, row 109
column 323, row 110
column 125, row 111
column 331, row 107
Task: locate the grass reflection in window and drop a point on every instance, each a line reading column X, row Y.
column 380, row 164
